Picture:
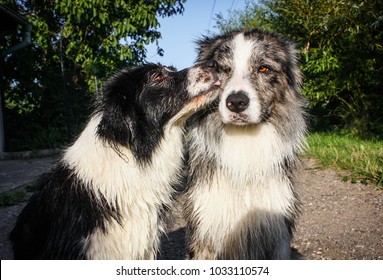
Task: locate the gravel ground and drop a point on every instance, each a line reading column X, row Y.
column 339, row 220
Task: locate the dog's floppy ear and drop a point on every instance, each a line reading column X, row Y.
column 115, row 127
column 116, row 106
column 293, row 70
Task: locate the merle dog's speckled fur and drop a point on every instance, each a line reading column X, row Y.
column 243, row 152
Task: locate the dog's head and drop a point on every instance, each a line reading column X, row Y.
column 141, row 101
column 258, row 72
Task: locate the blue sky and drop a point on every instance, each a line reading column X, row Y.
column 180, row 32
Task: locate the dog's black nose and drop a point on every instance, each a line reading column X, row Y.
column 237, row 102
column 211, row 64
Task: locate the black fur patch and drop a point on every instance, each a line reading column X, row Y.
column 59, row 217
column 136, row 104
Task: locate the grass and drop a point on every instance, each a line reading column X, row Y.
column 18, row 196
column 362, row 159
column 12, row 198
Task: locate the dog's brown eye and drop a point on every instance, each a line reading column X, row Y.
column 263, row 69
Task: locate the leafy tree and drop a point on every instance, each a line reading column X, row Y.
column 75, row 45
column 342, row 55
column 252, row 16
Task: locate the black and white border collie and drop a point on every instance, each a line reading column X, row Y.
column 244, row 150
column 106, row 197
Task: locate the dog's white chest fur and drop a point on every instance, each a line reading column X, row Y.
column 247, row 182
column 137, row 191
column 251, row 152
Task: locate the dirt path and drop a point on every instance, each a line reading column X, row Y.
column 339, row 220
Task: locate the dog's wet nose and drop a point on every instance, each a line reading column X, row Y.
column 211, row 64
column 237, row 102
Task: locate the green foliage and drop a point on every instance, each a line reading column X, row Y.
column 341, row 54
column 13, row 198
column 253, row 16
column 17, row 196
column 75, row 44
column 361, row 160
column 93, row 32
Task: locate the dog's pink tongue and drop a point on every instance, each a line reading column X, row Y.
column 217, row 83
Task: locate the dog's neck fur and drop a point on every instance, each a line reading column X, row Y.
column 245, row 170
column 129, row 187
column 103, row 167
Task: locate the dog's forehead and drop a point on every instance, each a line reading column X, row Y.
column 234, row 49
column 244, row 50
column 152, row 70
column 170, row 68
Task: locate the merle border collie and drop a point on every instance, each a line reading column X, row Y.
column 105, row 198
column 243, row 152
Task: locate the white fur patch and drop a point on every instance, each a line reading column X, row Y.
column 252, row 153
column 137, row 190
column 248, row 179
column 240, row 81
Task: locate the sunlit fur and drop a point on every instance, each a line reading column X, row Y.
column 240, row 198
column 106, row 197
column 138, row 192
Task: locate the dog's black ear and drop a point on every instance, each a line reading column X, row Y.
column 115, row 127
column 116, row 105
